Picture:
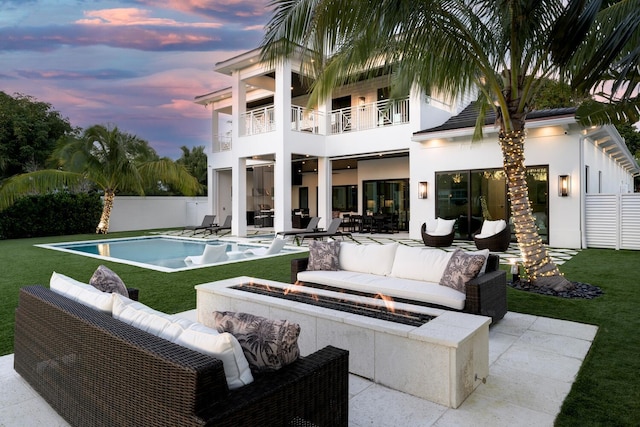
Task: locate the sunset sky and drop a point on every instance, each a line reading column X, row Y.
column 137, row 64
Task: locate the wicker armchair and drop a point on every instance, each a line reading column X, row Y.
column 497, row 243
column 436, row 241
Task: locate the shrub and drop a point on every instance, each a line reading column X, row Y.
column 51, row 215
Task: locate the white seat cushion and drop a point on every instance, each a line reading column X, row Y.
column 395, row 287
column 490, row 228
column 374, row 259
column 81, row 292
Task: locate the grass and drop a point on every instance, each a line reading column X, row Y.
column 606, row 391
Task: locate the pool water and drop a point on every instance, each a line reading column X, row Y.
column 161, row 253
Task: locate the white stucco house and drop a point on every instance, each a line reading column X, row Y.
column 410, row 160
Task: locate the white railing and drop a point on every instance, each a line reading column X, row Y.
column 370, row 116
column 307, row 120
column 260, row 120
column 221, row 143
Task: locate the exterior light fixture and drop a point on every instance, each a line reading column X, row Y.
column 361, row 100
column 564, row 185
column 422, row 190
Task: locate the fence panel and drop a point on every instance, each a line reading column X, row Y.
column 612, row 221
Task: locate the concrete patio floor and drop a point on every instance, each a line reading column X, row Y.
column 533, row 363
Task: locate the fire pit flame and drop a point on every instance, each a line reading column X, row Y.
column 301, row 293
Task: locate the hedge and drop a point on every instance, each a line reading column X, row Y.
column 51, row 215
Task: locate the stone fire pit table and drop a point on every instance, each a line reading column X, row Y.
column 442, row 360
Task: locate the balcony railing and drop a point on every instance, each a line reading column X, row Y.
column 257, row 121
column 370, row 116
column 221, row 143
column 307, row 120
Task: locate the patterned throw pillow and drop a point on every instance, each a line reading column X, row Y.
column 461, row 268
column 324, row 255
column 267, row 344
column 106, row 280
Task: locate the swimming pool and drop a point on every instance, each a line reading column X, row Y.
column 160, row 253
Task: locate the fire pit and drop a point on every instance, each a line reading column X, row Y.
column 376, row 306
column 434, row 354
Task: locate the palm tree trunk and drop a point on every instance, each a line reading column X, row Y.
column 542, row 271
column 103, row 225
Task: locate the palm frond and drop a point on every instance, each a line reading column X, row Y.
column 169, row 172
column 594, row 113
column 39, row 182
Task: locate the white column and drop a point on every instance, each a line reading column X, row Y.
column 239, row 168
column 324, row 191
column 282, row 171
column 238, row 198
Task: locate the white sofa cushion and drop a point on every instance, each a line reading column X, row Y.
column 374, row 259
column 81, row 292
column 188, row 334
column 416, row 263
column 395, row 287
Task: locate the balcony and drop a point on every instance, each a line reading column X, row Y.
column 370, row 116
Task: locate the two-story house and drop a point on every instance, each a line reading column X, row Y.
column 409, row 159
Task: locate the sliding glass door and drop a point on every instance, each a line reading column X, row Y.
column 472, row 196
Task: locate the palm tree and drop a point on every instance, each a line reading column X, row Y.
column 112, row 160
column 503, row 49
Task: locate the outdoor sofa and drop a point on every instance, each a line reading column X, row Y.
column 95, row 370
column 409, row 274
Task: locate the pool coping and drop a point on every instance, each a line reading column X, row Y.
column 55, row 246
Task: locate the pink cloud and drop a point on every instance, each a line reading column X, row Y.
column 135, row 17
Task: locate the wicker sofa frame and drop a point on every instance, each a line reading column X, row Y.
column 485, row 295
column 98, row 371
column 436, row 241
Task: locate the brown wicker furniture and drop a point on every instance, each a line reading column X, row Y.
column 497, row 243
column 486, row 295
column 436, row 241
column 95, row 370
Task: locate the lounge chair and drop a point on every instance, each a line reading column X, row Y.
column 332, row 231
column 311, row 228
column 438, row 233
column 495, row 236
column 225, row 226
column 207, row 221
column 211, row 254
column 275, row 247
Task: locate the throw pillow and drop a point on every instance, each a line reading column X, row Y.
column 461, row 268
column 106, row 280
column 324, row 255
column 267, row 344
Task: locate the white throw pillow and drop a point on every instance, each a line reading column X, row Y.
column 221, row 346
column 444, row 227
column 81, row 292
column 373, row 259
column 417, row 263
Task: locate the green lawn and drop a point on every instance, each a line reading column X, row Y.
column 606, row 391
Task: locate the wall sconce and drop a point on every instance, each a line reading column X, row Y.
column 564, row 185
column 422, row 190
column 361, row 100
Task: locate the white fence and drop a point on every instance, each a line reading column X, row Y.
column 146, row 213
column 612, row 221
